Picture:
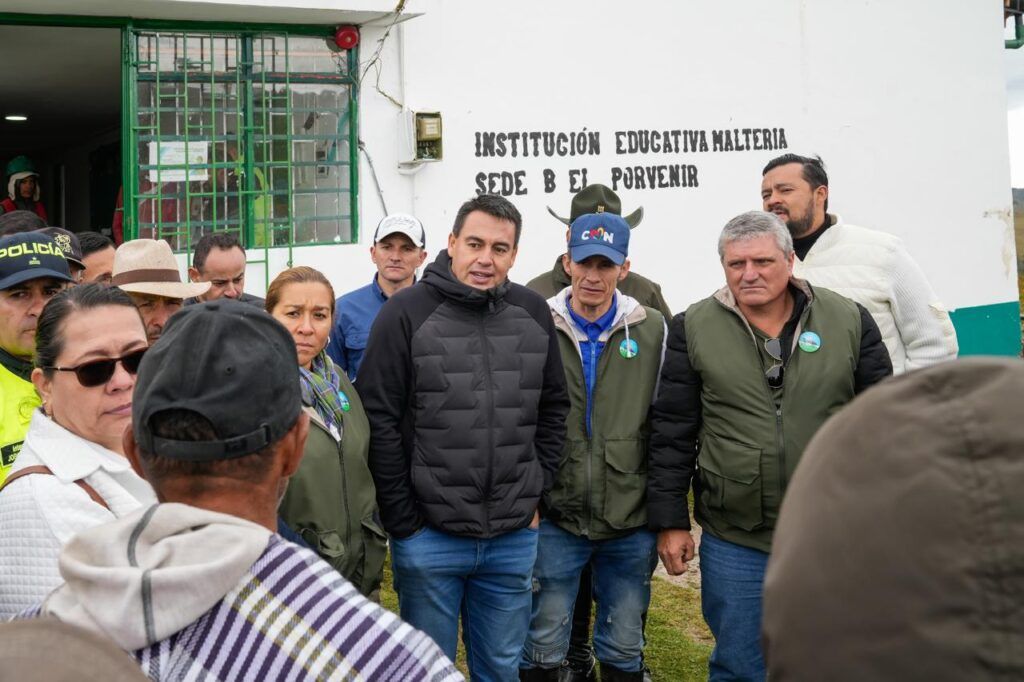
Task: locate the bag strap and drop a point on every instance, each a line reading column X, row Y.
column 40, row 469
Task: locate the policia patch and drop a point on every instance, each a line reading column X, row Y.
column 30, row 248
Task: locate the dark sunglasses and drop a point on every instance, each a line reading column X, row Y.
column 98, row 372
column 776, row 372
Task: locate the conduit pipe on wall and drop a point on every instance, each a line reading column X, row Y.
column 1018, row 31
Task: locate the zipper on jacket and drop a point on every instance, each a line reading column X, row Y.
column 585, row 511
column 489, row 390
column 779, row 437
column 780, row 442
column 344, row 495
column 588, row 467
column 588, row 515
column 783, row 475
column 781, row 445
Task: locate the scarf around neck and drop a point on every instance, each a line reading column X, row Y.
column 321, row 388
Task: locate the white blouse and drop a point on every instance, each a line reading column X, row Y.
column 40, row 513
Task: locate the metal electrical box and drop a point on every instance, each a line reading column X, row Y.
column 419, row 136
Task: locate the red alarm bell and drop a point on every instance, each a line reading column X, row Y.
column 346, row 37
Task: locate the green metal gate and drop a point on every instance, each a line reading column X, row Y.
column 244, row 131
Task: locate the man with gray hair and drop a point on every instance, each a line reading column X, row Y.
column 750, row 373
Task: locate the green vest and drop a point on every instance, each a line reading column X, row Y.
column 601, row 488
column 331, row 501
column 18, row 400
column 749, row 448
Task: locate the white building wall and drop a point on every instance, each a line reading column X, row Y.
column 904, row 100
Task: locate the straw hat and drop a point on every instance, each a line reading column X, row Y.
column 148, row 266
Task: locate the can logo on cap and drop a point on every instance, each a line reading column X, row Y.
column 598, row 233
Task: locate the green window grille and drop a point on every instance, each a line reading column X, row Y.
column 247, row 132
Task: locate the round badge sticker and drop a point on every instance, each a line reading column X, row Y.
column 809, row 342
column 629, row 348
column 345, row 404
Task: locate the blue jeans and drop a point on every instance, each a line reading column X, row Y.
column 622, row 570
column 440, row 576
column 731, row 578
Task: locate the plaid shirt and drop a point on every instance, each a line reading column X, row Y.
column 293, row 617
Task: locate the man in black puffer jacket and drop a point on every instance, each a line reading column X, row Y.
column 463, row 384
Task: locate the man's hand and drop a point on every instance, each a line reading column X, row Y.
column 675, row 547
column 536, row 521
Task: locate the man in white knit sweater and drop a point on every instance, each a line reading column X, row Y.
column 871, row 267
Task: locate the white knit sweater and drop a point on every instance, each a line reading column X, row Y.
column 39, row 514
column 874, row 269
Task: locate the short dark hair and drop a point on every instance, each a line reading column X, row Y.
column 49, row 340
column 187, row 425
column 91, row 242
column 15, row 222
column 493, row 205
column 221, row 240
column 813, row 169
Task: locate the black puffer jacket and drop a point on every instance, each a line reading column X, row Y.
column 467, row 403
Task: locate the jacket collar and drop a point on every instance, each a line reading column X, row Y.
column 725, row 297
column 16, row 366
column 378, row 292
column 439, row 276
column 629, row 311
column 70, row 457
column 559, row 274
column 828, row 236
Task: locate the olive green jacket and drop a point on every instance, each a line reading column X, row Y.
column 600, row 491
column 331, row 501
column 749, row 447
column 636, row 286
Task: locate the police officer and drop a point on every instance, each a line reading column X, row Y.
column 32, row 271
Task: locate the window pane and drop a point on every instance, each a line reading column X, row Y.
column 302, row 148
column 298, row 54
column 279, row 173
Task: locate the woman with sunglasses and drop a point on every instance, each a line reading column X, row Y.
column 71, row 473
column 331, row 500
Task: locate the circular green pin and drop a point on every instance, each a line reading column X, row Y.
column 809, row 342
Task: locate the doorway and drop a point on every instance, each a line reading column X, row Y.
column 66, row 83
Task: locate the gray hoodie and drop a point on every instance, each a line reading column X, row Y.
column 144, row 577
column 899, row 551
column 194, row 594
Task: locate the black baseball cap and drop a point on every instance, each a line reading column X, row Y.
column 229, row 362
column 30, row 255
column 68, row 243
